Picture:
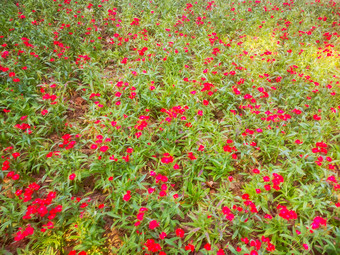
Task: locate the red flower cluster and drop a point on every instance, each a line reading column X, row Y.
column 39, row 208
column 318, row 221
column 21, row 234
column 152, row 246
column 28, row 192
column 276, row 180
column 25, row 127
column 175, row 112
column 167, row 158
column 227, row 212
column 127, row 196
column 153, row 224
column 320, row 147
column 66, row 142
column 286, row 214
column 75, row 253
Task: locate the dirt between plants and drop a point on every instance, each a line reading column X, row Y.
column 78, row 107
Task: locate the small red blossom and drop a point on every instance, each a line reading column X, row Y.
column 127, row 196
column 180, row 232
column 153, row 224
column 207, row 247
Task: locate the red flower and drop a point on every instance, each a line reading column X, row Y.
column 220, row 252
column 127, row 196
column 162, row 193
column 207, row 247
column 266, row 178
column 201, row 148
column 72, row 176
column 245, row 196
column 268, row 216
column 256, row 171
column 316, row 117
column 15, row 154
column 190, row 247
column 180, row 232
column 162, row 235
column 167, row 159
column 152, row 246
column 153, row 224
column 267, row 187
column 44, row 112
column 191, row 156
column 104, row 148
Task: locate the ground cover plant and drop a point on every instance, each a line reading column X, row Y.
column 169, row 127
